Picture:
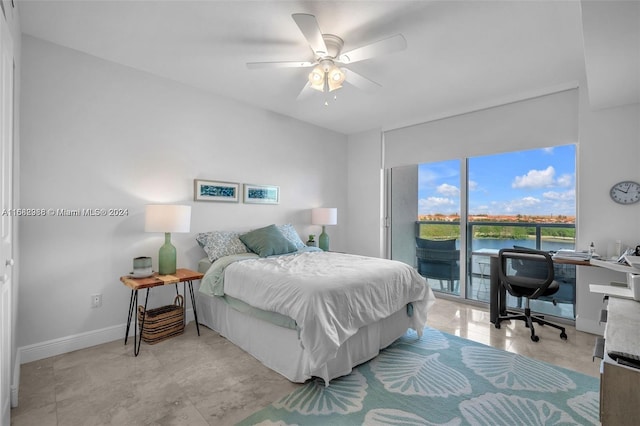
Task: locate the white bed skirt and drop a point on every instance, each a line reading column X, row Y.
column 279, row 348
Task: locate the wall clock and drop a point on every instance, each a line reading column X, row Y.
column 626, row 192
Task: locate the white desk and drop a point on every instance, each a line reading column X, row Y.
column 621, row 290
column 619, row 383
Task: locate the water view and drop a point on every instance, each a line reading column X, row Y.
column 497, row 244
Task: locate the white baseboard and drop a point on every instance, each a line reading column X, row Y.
column 60, row 346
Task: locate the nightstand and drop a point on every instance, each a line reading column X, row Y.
column 182, row 275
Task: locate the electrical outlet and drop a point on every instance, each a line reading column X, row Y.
column 96, row 300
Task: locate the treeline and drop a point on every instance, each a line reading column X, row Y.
column 444, row 231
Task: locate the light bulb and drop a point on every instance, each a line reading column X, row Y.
column 335, row 78
column 316, row 78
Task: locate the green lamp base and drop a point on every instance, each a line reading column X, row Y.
column 323, row 241
column 167, row 257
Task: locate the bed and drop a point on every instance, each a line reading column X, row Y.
column 304, row 312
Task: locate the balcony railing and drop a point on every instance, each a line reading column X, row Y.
column 446, row 230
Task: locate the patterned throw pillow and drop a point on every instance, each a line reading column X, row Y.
column 291, row 234
column 221, row 243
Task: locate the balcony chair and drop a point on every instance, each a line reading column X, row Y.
column 439, row 260
column 530, row 274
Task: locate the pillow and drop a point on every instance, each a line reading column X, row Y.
column 220, row 243
column 267, row 241
column 291, row 234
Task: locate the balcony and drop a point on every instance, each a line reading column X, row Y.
column 485, row 238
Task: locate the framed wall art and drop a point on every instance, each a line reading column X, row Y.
column 261, row 194
column 211, row 190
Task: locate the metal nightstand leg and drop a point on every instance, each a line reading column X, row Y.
column 137, row 338
column 193, row 302
column 133, row 300
column 136, row 350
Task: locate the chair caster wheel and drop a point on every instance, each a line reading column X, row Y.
column 535, row 338
column 563, row 335
column 497, row 325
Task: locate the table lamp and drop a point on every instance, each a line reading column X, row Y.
column 324, row 216
column 167, row 218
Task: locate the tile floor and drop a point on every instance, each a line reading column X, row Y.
column 191, row 380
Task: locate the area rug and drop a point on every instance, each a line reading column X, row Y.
column 442, row 379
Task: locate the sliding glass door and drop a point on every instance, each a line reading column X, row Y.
column 464, row 211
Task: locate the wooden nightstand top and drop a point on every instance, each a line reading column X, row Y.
column 181, row 275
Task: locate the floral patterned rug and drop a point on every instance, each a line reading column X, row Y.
column 441, row 379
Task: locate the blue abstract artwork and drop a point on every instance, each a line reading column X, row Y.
column 216, row 191
column 261, row 194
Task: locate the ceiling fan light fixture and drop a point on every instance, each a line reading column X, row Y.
column 326, row 77
column 327, row 52
column 335, row 78
column 316, row 78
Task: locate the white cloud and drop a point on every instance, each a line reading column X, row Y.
column 448, row 190
column 529, row 201
column 435, row 205
column 551, row 202
column 520, row 205
column 565, row 180
column 559, row 196
column 548, row 150
column 535, row 179
column 473, row 185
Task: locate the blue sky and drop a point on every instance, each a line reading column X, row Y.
column 532, row 182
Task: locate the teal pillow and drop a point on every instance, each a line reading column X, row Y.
column 267, row 241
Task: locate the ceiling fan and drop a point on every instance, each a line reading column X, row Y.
column 328, row 61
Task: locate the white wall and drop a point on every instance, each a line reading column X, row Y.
column 609, row 152
column 365, row 232
column 100, row 135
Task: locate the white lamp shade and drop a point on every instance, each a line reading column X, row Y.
column 167, row 218
column 324, row 216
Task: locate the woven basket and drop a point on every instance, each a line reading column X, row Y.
column 163, row 322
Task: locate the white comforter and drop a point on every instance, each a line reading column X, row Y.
column 329, row 295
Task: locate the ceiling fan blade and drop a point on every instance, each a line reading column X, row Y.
column 305, row 92
column 311, row 31
column 281, row 64
column 388, row 45
column 360, row 81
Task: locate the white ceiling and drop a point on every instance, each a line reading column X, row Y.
column 461, row 55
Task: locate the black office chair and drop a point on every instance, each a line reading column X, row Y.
column 440, row 260
column 566, row 282
column 528, row 273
